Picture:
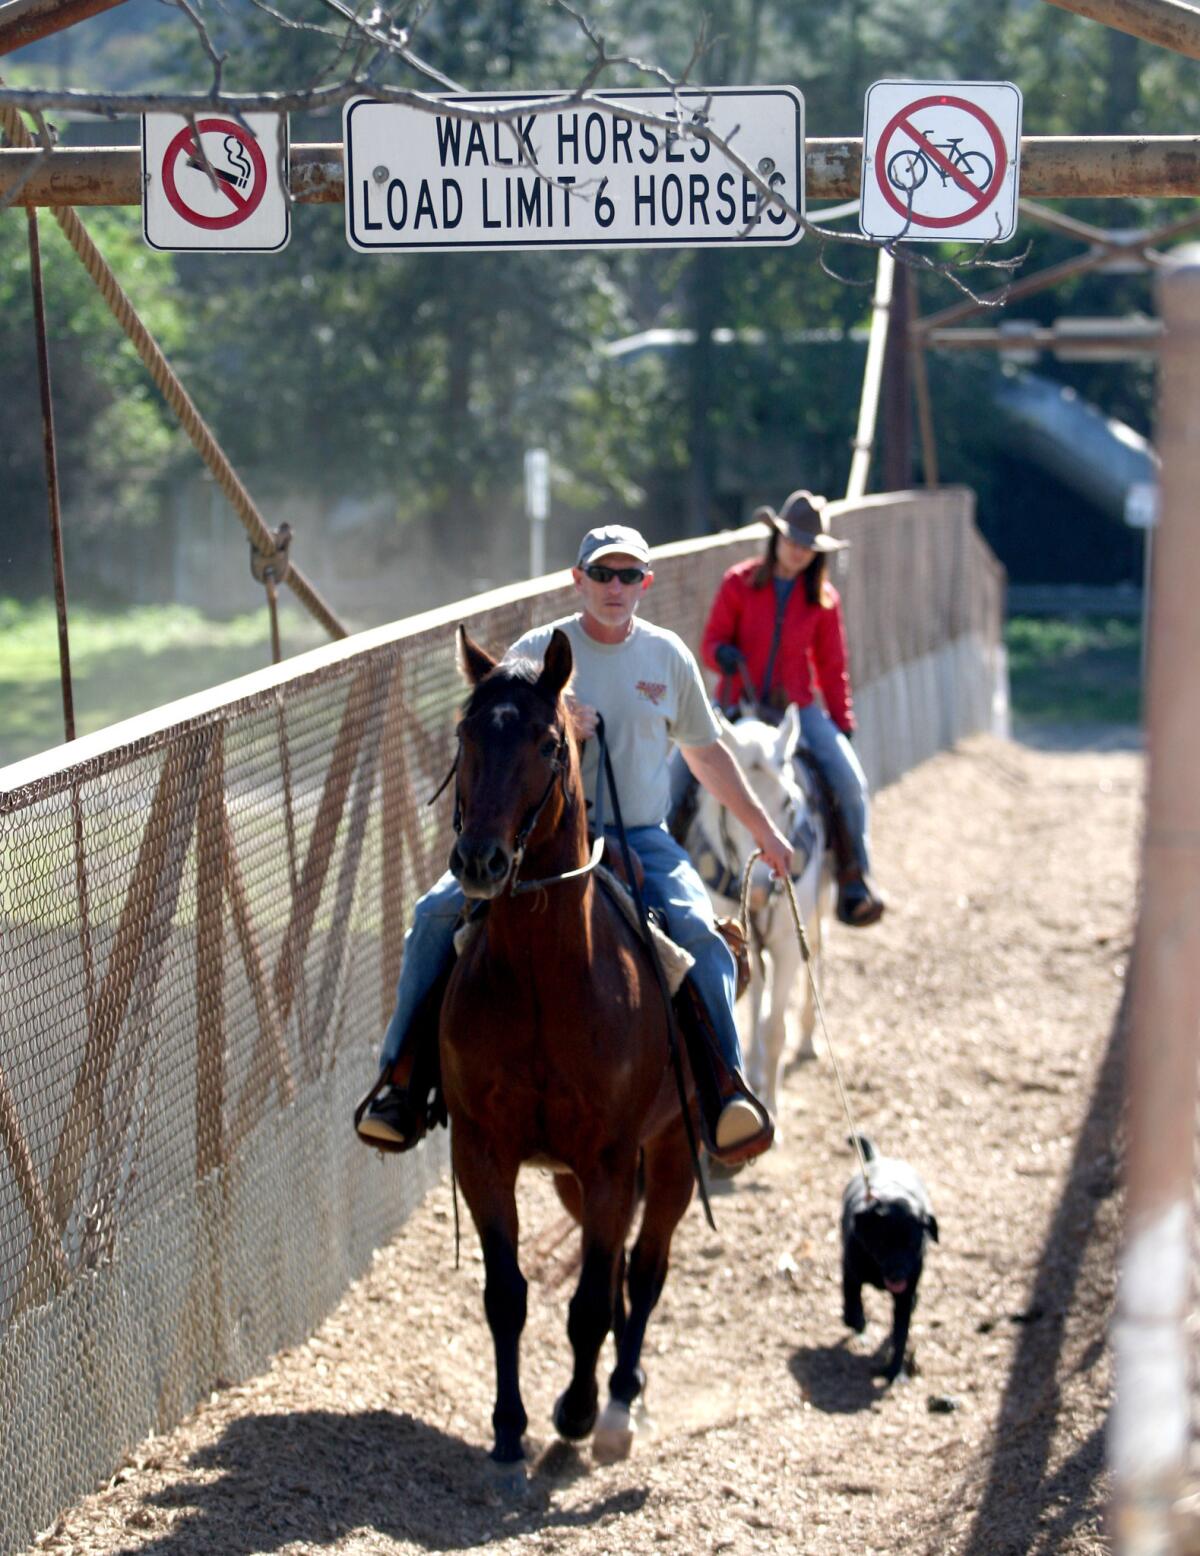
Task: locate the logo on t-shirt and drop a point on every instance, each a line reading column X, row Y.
column 652, row 691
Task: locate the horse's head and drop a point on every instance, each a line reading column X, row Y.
column 515, row 761
column 764, row 753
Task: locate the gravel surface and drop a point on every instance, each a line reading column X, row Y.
column 976, row 1029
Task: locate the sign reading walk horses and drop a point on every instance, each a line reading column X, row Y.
column 577, row 176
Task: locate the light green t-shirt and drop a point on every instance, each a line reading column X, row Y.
column 650, row 693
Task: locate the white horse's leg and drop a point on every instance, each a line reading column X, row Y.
column 774, row 1026
column 785, row 963
column 756, row 1056
column 806, row 1048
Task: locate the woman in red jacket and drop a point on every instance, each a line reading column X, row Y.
column 775, row 633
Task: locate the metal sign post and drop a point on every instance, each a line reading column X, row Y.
column 1150, row 1429
column 1141, row 512
column 537, row 506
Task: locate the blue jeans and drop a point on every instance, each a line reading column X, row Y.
column 671, row 885
column 836, row 759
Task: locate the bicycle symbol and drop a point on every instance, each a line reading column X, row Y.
column 908, row 170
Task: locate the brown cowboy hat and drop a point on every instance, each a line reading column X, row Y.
column 804, row 519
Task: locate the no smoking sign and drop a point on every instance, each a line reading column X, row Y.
column 940, row 161
column 217, row 186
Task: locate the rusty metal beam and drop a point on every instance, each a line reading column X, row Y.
column 1025, row 286
column 28, row 21
column 1041, row 280
column 1142, row 340
column 1052, row 168
column 1171, row 23
column 1069, row 226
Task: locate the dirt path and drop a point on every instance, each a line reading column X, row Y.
column 975, row 1027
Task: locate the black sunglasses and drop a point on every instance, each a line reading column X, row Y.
column 600, row 574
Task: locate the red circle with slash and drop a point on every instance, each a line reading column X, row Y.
column 983, row 197
column 184, row 144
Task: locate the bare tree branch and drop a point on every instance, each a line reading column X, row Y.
column 369, row 41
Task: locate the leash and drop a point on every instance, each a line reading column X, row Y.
column 806, row 954
column 605, row 776
column 518, row 886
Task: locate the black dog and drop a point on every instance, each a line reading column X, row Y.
column 885, row 1223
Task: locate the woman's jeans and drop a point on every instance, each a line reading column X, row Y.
column 843, row 772
column 671, row 885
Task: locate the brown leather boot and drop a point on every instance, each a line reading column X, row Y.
column 858, row 904
column 734, row 1124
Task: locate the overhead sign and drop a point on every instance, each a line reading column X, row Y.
column 575, row 177
column 940, row 161
column 225, row 193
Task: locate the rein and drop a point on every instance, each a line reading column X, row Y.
column 806, row 954
column 605, row 777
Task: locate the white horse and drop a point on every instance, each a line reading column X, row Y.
column 719, row 846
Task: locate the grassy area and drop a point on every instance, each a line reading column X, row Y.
column 123, row 663
column 1075, row 670
column 1065, row 670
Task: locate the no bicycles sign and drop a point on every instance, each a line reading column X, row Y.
column 216, row 185
column 940, row 161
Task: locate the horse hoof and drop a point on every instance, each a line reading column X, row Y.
column 510, row 1480
column 615, row 1431
column 574, row 1430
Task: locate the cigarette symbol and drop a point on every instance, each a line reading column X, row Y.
column 241, row 171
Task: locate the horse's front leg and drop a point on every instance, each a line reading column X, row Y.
column 608, row 1199
column 784, row 959
column 669, row 1185
column 814, row 918
column 489, row 1188
column 753, row 1045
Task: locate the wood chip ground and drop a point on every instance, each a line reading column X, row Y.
column 978, row 1028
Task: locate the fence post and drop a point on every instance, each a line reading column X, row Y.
column 1150, row 1431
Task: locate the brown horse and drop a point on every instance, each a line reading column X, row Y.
column 554, row 1049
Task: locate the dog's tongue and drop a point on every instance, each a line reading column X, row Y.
column 896, row 1286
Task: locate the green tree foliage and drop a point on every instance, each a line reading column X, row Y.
column 426, row 377
column 114, row 440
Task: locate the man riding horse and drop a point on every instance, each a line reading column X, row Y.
column 647, row 686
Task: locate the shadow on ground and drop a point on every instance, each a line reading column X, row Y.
column 311, row 1477
column 1053, row 735
column 835, row 1379
column 1023, row 1508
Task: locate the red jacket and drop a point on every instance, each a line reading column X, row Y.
column 812, row 642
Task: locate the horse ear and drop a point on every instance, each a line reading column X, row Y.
column 556, row 666
column 788, row 737
column 473, row 661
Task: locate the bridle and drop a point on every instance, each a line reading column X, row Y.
column 559, row 767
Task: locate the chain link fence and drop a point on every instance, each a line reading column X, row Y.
column 201, row 922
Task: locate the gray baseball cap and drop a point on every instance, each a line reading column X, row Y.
column 612, row 540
